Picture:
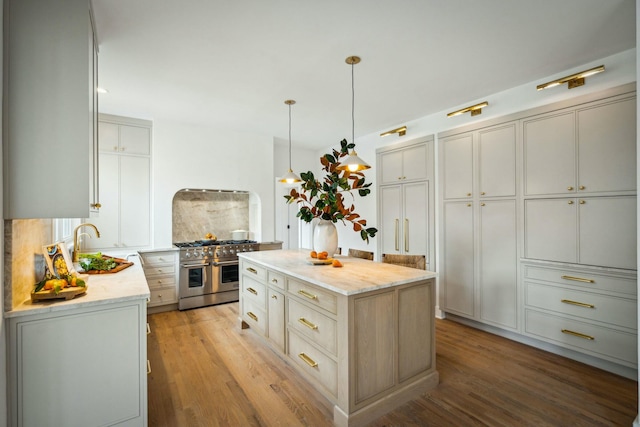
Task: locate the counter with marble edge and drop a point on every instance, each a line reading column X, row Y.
column 355, row 276
column 125, row 285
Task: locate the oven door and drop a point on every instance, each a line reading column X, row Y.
column 225, row 276
column 195, row 279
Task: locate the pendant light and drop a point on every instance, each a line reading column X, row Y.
column 290, row 177
column 353, row 163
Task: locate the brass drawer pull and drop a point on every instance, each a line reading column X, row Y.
column 148, row 329
column 274, row 296
column 253, row 291
column 577, row 334
column 578, row 279
column 570, row 188
column 253, row 316
column 252, row 270
column 307, row 294
column 308, row 324
column 581, row 304
column 274, row 280
column 148, row 367
column 309, row 361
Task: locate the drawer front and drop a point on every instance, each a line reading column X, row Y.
column 254, row 291
column 319, row 328
column 254, row 315
column 159, row 270
column 597, row 340
column 155, row 258
column 161, row 281
column 250, row 269
column 312, row 361
column 590, row 306
column 582, row 279
column 275, row 279
column 314, row 295
column 163, row 296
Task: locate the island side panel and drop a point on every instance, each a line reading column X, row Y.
column 416, row 343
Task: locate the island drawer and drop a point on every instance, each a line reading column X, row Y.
column 312, row 361
column 162, row 296
column 161, row 281
column 598, row 340
column 588, row 305
column 275, row 279
column 585, row 279
column 317, row 327
column 254, row 291
column 254, row 315
column 314, row 295
column 253, row 270
column 159, row 270
column 157, row 258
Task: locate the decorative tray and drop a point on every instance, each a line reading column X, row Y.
column 316, row 261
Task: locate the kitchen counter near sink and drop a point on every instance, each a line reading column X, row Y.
column 126, row 285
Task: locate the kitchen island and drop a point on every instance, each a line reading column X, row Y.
column 83, row 361
column 363, row 334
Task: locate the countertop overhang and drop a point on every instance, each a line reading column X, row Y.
column 356, row 276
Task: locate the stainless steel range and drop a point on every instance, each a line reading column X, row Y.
column 209, row 271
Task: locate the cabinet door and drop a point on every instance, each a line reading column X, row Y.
column 497, row 161
column 391, row 167
column 276, row 323
column 391, row 221
column 549, row 154
column 607, row 147
column 498, row 262
column 415, row 225
column 608, row 231
column 108, row 137
column 135, row 139
column 134, row 201
column 458, row 166
column 550, row 230
column 108, row 220
column 458, row 257
column 414, row 162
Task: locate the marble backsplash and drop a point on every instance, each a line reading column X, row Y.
column 24, row 264
column 198, row 212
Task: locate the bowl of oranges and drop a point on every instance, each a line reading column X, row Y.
column 322, row 258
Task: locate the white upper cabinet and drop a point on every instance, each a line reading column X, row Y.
column 497, row 161
column 124, row 138
column 458, row 166
column 47, row 121
column 407, row 164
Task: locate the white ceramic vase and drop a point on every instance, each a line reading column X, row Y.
column 325, row 237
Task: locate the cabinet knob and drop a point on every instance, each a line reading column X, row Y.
column 96, row 205
column 570, row 202
column 468, row 205
column 468, row 194
column 481, row 204
column 570, row 188
column 582, row 187
column 121, row 148
column 274, row 297
column 582, row 202
column 483, row 193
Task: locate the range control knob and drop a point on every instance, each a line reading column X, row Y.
column 187, row 255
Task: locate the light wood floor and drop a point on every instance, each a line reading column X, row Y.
column 207, row 372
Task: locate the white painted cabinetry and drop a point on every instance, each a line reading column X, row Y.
column 405, row 204
column 79, row 367
column 49, row 93
column 125, row 173
column 161, row 270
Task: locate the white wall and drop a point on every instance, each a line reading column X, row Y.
column 193, row 156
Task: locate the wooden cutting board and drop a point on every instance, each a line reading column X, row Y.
column 121, row 265
column 66, row 294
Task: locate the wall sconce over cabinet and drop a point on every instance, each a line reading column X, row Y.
column 574, row 80
column 474, row 109
column 401, row 131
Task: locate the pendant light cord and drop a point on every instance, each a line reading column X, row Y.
column 290, row 137
column 353, row 101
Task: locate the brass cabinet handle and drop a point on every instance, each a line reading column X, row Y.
column 148, row 367
column 570, row 188
column 309, row 361
column 406, row 235
column 308, row 324
column 582, row 187
column 252, row 270
column 253, row 316
column 483, row 193
column 95, row 205
column 274, row 280
column 468, row 194
column 253, row 291
column 274, row 296
column 148, row 329
column 396, row 234
column 570, row 202
column 482, row 204
column 307, row 294
column 468, row 205
column 577, row 334
column 582, row 202
column 581, row 304
column 578, row 279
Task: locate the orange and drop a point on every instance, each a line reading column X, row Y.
column 336, row 263
column 323, row 255
column 313, row 254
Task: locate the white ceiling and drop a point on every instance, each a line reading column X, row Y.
column 231, row 64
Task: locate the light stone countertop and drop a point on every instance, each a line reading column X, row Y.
column 125, row 285
column 356, row 276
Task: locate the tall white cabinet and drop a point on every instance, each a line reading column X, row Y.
column 538, row 232
column 125, row 184
column 406, row 199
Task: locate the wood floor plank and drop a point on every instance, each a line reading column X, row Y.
column 208, row 372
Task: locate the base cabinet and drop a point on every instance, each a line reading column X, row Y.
column 83, row 367
column 161, row 270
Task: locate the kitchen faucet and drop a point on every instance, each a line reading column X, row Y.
column 76, row 242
